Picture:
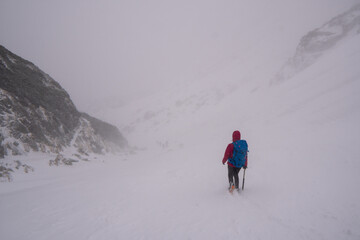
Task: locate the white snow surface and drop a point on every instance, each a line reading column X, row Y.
column 304, row 167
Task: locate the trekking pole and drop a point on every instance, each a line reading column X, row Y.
column 243, row 180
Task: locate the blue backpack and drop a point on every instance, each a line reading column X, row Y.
column 239, row 153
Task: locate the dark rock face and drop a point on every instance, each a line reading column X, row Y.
column 108, row 132
column 37, row 114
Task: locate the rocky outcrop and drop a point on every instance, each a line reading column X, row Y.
column 37, row 114
column 314, row 44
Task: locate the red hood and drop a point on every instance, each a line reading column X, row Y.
column 236, row 136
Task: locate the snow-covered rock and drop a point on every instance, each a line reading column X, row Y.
column 37, row 114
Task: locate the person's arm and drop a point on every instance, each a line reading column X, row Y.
column 228, row 153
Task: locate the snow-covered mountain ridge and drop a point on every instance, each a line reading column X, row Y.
column 37, row 114
column 183, row 104
column 319, row 41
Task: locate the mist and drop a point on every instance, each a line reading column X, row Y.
column 109, row 53
column 162, row 85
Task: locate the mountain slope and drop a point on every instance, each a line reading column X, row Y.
column 37, row 114
column 317, row 42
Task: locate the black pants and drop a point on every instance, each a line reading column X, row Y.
column 233, row 173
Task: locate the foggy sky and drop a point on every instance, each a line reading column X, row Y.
column 105, row 52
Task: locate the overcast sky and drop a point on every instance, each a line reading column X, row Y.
column 115, row 51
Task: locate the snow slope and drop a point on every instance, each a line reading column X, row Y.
column 301, row 182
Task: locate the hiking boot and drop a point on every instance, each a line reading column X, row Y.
column 232, row 187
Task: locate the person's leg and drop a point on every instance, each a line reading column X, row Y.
column 231, row 175
column 236, row 176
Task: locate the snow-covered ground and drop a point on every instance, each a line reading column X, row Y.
column 304, row 167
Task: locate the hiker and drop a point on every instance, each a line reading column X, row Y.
column 236, row 157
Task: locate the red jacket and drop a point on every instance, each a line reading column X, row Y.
column 230, row 149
